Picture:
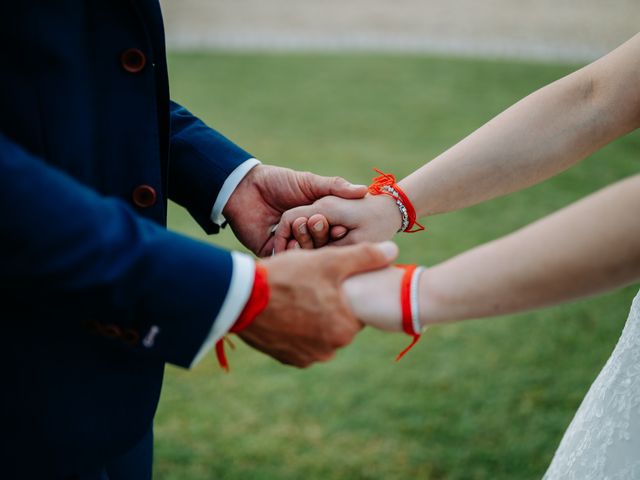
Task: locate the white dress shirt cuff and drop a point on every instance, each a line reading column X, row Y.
column 239, row 292
column 228, row 187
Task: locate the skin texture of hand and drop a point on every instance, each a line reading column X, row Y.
column 308, row 317
column 374, row 298
column 267, row 192
column 369, row 219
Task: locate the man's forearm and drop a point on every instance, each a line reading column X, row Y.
column 586, row 248
column 538, row 137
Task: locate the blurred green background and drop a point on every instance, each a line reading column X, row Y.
column 487, row 399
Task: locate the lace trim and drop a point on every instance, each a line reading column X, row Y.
column 603, row 440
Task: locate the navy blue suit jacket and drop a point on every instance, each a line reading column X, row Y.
column 90, row 149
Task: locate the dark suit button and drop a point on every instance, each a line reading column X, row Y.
column 133, row 60
column 111, row 331
column 144, row 196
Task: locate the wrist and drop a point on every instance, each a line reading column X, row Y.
column 373, row 298
column 258, row 300
column 387, row 212
column 409, row 191
column 433, row 304
column 385, row 184
column 237, row 201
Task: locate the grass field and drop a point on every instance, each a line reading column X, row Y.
column 480, row 400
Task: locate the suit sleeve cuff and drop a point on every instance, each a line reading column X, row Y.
column 228, row 187
column 235, row 301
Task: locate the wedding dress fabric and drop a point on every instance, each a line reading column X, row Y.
column 603, row 440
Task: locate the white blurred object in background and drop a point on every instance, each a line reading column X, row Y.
column 537, row 29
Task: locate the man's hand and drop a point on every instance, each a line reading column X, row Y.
column 308, row 317
column 374, row 218
column 259, row 201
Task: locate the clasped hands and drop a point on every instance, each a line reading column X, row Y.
column 310, row 315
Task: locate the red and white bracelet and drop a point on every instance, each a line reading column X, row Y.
column 409, row 302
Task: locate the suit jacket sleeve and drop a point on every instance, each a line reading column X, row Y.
column 72, row 255
column 200, row 160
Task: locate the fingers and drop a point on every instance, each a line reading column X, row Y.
column 337, row 232
column 305, row 236
column 314, row 232
column 301, row 236
column 338, row 186
column 280, row 242
column 319, row 228
column 266, row 250
column 285, row 231
column 308, row 318
column 335, row 211
column 311, row 233
column 351, row 239
column 363, row 257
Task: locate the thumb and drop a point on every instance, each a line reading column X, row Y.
column 337, row 186
column 363, row 257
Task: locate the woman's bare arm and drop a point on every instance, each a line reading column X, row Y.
column 538, row 137
column 589, row 247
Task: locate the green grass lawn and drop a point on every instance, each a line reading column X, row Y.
column 480, row 400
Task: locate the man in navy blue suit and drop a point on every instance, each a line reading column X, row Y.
column 96, row 294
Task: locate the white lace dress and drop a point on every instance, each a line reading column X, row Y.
column 603, row 440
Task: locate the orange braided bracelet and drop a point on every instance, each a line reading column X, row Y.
column 386, row 184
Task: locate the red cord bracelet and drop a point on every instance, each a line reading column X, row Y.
column 257, row 302
column 409, row 305
column 386, row 184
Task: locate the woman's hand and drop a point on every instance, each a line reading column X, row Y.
column 267, row 191
column 374, row 298
column 372, row 219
